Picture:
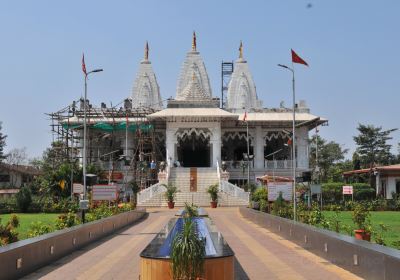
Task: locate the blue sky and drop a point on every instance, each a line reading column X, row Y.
column 352, row 47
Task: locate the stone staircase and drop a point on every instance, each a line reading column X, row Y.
column 181, row 178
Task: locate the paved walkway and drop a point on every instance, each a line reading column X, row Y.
column 260, row 254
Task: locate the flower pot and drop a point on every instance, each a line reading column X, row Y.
column 214, row 204
column 171, row 204
column 362, row 235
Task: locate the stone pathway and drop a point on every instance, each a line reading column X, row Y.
column 259, row 253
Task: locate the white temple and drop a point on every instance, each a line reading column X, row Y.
column 196, row 138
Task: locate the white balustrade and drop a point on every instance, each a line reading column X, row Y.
column 151, row 191
column 233, row 190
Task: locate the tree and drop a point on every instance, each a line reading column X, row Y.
column 24, row 198
column 372, row 145
column 2, row 144
column 329, row 154
column 17, row 156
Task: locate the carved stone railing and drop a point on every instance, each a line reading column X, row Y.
column 151, row 191
column 278, row 164
column 233, row 190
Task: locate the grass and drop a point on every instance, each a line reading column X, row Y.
column 25, row 220
column 388, row 218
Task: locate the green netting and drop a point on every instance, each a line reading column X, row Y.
column 110, row 127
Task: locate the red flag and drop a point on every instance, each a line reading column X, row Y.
column 245, row 116
column 289, row 142
column 83, row 64
column 297, row 59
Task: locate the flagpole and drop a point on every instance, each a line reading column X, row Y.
column 295, row 59
column 294, row 146
column 248, row 155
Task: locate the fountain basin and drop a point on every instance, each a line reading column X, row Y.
column 156, row 261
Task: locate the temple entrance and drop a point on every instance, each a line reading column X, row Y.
column 194, row 150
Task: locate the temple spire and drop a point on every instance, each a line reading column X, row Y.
column 146, row 51
column 194, row 44
column 241, row 50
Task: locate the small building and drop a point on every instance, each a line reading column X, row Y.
column 387, row 179
column 13, row 176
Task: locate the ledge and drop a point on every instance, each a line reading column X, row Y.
column 23, row 257
column 365, row 259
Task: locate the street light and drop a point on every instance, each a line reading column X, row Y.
column 293, row 139
column 84, row 136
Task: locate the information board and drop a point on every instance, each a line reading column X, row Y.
column 104, row 192
column 274, row 188
column 347, row 189
column 77, row 188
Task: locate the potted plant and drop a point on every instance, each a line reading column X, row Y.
column 188, row 252
column 213, row 192
column 361, row 217
column 170, row 195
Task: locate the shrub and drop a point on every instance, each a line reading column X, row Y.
column 263, row 205
column 8, row 233
column 260, row 194
column 332, row 192
column 39, row 228
column 66, row 220
column 24, row 198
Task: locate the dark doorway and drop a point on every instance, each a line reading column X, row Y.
column 194, row 151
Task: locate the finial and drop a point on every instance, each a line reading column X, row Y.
column 241, row 50
column 194, row 44
column 146, row 51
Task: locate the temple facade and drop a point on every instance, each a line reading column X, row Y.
column 191, row 134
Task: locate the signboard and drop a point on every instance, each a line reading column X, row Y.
column 315, row 189
column 347, row 189
column 274, row 188
column 104, row 192
column 83, row 204
column 115, row 176
column 77, row 188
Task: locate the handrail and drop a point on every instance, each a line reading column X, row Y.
column 218, row 172
column 234, row 190
column 168, row 169
column 151, row 191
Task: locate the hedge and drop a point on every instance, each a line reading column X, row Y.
column 332, row 192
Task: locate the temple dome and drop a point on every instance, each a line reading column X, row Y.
column 193, row 64
column 242, row 93
column 145, row 91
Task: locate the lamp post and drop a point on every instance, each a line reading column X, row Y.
column 84, row 136
column 293, row 139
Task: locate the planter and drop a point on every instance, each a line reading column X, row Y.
column 362, row 235
column 171, row 204
column 214, row 204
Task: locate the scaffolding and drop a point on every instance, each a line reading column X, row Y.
column 121, row 141
column 226, row 73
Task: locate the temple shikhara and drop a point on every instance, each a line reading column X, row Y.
column 193, row 140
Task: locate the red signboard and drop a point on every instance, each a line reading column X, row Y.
column 347, row 189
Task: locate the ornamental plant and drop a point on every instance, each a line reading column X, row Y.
column 188, row 252
column 361, row 217
column 170, row 192
column 213, row 192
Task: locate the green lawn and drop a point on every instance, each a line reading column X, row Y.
column 25, row 221
column 388, row 218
